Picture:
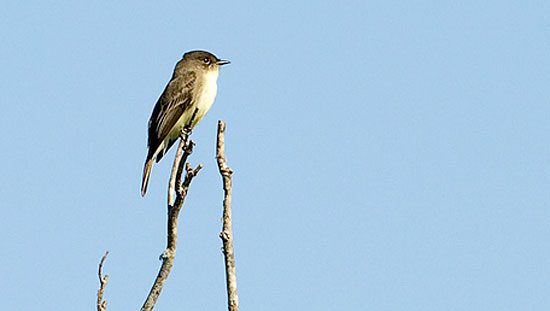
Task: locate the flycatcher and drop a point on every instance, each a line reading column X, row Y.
column 185, row 100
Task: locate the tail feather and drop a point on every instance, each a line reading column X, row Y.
column 146, row 173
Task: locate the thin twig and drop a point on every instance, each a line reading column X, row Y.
column 184, row 145
column 101, row 303
column 185, row 148
column 227, row 231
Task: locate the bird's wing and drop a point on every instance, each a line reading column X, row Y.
column 173, row 102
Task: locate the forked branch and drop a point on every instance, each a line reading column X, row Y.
column 180, row 189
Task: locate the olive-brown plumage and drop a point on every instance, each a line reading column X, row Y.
column 193, row 86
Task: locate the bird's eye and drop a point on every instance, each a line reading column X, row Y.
column 206, row 60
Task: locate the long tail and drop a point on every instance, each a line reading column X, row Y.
column 146, row 173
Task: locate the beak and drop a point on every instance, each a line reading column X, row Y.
column 222, row 62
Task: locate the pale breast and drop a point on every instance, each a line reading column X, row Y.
column 208, row 92
column 205, row 99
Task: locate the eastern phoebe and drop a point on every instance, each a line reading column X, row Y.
column 186, row 99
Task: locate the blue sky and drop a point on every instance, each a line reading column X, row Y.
column 388, row 155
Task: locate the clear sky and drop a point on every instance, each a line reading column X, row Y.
column 388, row 155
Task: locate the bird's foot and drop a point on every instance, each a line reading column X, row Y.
column 186, row 131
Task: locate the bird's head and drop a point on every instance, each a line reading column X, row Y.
column 203, row 59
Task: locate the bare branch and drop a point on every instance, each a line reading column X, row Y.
column 186, row 147
column 101, row 303
column 180, row 189
column 227, row 231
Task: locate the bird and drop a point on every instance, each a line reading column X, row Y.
column 185, row 100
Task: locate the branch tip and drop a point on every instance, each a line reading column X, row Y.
column 103, row 280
